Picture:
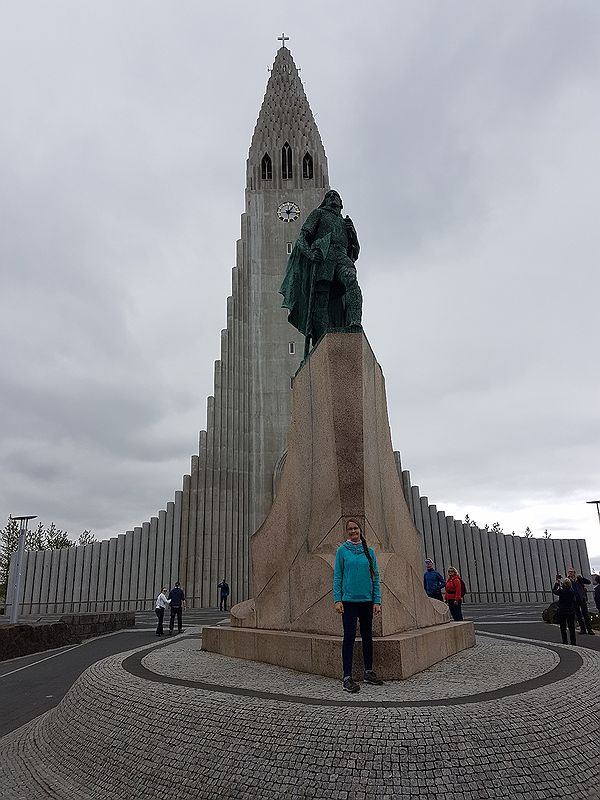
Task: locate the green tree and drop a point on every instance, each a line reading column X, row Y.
column 528, row 533
column 87, row 537
column 546, row 534
column 54, row 538
column 9, row 541
column 497, row 528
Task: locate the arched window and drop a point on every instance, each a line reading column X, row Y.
column 307, row 166
column 286, row 162
column 266, row 167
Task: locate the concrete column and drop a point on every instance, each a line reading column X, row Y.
column 44, row 581
column 110, row 574
column 552, row 568
column 584, row 560
column 190, row 560
column 236, row 441
column 170, row 563
column 431, row 529
column 185, row 524
column 512, row 568
column 445, row 544
column 118, row 582
column 463, row 561
column 210, row 555
column 473, row 585
column 102, row 570
column 223, row 533
column 151, row 591
column 69, row 584
column 452, row 543
column 198, row 587
column 53, row 581
column 93, row 575
column 78, row 580
column 215, row 533
column 500, row 577
column 487, row 571
column 84, row 598
column 416, row 501
column 574, row 553
column 141, row 583
column 504, row 568
column 130, row 573
column 406, row 488
column 527, row 561
column 427, row 533
column 480, row 563
column 176, row 537
column 159, row 565
column 61, row 580
column 230, row 544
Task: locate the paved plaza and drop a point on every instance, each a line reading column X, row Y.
column 510, row 718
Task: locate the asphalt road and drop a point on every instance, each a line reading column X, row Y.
column 33, row 684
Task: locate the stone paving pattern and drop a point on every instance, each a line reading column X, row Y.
column 492, row 664
column 118, row 734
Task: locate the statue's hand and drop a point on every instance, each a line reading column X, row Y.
column 349, row 223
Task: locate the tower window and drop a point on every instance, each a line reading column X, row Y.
column 286, row 162
column 292, row 348
column 307, row 166
column 289, row 248
column 266, row 167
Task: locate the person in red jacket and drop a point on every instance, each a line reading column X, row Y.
column 454, row 594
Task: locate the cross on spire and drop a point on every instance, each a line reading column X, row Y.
column 283, row 39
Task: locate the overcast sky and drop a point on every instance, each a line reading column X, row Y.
column 464, row 138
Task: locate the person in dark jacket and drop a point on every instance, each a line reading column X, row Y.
column 357, row 596
column 223, row 594
column 566, row 608
column 177, row 599
column 578, row 584
column 433, row 582
column 597, row 591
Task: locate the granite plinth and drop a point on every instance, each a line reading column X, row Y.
column 396, row 657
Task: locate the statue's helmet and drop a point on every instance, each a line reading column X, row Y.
column 329, row 196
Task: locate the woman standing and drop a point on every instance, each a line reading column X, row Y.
column 454, row 594
column 566, row 608
column 159, row 609
column 357, row 596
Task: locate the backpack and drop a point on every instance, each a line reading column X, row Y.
column 463, row 588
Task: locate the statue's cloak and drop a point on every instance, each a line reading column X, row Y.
column 296, row 286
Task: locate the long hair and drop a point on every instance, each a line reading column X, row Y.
column 364, row 544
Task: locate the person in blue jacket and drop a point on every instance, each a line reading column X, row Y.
column 433, row 582
column 357, row 596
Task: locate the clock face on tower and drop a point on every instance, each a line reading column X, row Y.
column 287, row 211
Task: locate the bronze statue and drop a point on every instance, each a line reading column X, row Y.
column 320, row 288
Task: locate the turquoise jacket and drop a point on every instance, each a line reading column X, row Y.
column 352, row 581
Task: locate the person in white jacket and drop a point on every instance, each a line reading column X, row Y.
column 161, row 604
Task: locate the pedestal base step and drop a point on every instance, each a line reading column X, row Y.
column 395, row 657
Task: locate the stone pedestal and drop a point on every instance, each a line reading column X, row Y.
column 339, row 464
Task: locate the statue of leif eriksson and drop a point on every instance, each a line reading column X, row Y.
column 320, row 288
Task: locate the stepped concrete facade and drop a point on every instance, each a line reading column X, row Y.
column 203, row 534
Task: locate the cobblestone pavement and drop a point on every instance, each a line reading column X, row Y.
column 116, row 733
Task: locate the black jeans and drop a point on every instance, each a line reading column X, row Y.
column 455, row 607
column 175, row 612
column 436, row 595
column 160, row 612
column 363, row 612
column 567, row 618
column 223, row 603
column 583, row 618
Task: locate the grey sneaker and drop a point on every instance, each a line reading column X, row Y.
column 351, row 685
column 371, row 677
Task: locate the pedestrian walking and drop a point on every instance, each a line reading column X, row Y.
column 357, row 596
column 566, row 608
column 223, row 594
column 177, row 599
column 162, row 602
column 578, row 584
column 597, row 591
column 454, row 594
column 433, row 582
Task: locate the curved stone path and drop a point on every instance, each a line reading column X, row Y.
column 170, row 731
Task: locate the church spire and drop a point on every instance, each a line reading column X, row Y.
column 286, row 148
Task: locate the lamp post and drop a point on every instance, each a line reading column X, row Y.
column 15, row 588
column 597, row 504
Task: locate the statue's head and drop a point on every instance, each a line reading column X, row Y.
column 332, row 201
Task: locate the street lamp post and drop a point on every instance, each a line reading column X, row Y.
column 595, row 503
column 15, row 588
